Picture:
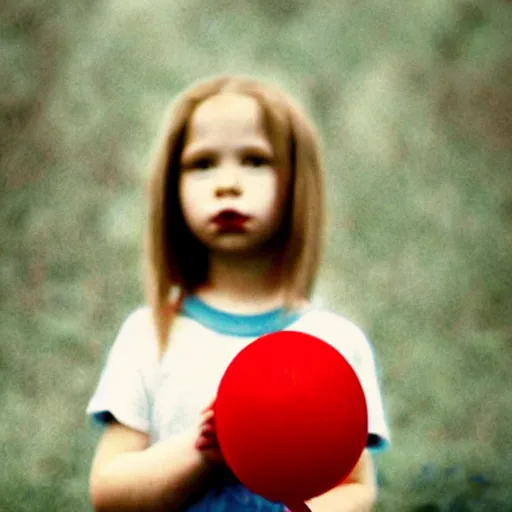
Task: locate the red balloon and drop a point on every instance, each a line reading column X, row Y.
column 291, row 417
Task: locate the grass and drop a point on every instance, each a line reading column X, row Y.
column 413, row 104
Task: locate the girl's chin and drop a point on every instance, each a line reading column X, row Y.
column 232, row 246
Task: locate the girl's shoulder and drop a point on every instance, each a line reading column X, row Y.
column 326, row 320
column 138, row 322
column 137, row 334
column 336, row 329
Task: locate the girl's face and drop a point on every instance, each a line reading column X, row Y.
column 231, row 194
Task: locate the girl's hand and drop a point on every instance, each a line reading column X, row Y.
column 207, row 442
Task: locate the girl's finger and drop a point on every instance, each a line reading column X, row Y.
column 204, row 444
column 201, row 443
column 207, row 421
column 208, row 434
column 209, row 407
column 207, row 417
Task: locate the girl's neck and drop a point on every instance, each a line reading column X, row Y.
column 242, row 285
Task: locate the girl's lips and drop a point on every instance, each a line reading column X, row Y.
column 230, row 220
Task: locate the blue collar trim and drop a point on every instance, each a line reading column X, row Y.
column 235, row 324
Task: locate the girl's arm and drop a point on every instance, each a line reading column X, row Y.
column 127, row 474
column 357, row 493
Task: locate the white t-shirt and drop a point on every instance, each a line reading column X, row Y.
column 164, row 396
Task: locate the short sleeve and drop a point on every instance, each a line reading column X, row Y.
column 352, row 343
column 122, row 390
column 366, row 368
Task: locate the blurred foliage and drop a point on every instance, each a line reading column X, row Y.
column 414, row 103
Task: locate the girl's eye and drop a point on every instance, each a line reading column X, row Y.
column 256, row 161
column 200, row 164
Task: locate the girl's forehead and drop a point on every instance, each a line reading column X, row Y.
column 227, row 113
column 226, row 106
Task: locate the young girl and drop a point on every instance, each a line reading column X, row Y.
column 233, row 241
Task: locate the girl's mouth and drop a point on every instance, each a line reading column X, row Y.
column 230, row 221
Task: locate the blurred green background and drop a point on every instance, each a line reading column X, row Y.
column 414, row 103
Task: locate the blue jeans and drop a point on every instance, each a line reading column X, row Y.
column 229, row 495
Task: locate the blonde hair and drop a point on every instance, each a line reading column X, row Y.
column 175, row 260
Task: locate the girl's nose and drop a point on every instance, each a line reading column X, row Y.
column 228, row 181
